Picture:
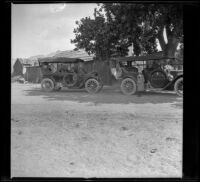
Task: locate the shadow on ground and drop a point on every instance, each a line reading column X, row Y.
column 107, row 96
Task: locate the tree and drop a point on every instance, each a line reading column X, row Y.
column 96, row 37
column 179, row 54
column 143, row 24
column 116, row 26
column 18, row 68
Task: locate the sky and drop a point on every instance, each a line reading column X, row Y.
column 44, row 28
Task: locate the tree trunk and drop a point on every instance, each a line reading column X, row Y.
column 170, row 47
column 161, row 38
column 172, row 44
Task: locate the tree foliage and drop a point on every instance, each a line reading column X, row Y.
column 116, row 26
column 98, row 37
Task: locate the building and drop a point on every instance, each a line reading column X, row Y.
column 17, row 68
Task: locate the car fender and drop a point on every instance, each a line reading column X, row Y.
column 129, row 76
column 91, row 76
column 178, row 76
column 174, row 80
column 50, row 77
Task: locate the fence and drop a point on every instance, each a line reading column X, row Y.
column 103, row 69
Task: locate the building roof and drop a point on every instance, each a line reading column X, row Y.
column 25, row 61
column 59, row 60
column 154, row 56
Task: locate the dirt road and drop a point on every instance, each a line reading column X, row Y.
column 75, row 134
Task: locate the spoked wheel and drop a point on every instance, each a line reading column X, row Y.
column 92, row 85
column 178, row 87
column 128, row 86
column 70, row 79
column 47, row 84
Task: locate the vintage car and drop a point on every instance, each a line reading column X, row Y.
column 58, row 72
column 146, row 73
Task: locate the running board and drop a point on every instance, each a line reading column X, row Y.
column 158, row 89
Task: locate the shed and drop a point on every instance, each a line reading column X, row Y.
column 18, row 67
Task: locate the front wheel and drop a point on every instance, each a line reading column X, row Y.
column 92, row 85
column 47, row 85
column 178, row 87
column 128, row 86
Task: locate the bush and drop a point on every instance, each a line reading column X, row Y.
column 19, row 79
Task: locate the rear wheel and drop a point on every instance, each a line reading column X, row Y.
column 47, row 85
column 178, row 87
column 128, row 86
column 158, row 79
column 92, row 85
column 70, row 79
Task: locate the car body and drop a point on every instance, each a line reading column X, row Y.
column 58, row 72
column 137, row 74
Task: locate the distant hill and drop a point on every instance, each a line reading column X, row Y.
column 35, row 57
column 53, row 53
column 68, row 53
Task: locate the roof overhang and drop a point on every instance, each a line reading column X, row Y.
column 155, row 56
column 59, row 60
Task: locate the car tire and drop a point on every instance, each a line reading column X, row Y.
column 92, row 85
column 128, row 86
column 47, row 85
column 178, row 87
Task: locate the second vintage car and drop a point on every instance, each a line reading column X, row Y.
column 146, row 73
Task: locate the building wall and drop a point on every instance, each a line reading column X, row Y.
column 33, row 74
column 101, row 67
column 104, row 71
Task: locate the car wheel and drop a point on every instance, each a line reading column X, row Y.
column 47, row 84
column 92, row 85
column 178, row 87
column 128, row 86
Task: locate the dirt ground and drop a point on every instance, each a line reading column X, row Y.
column 74, row 134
